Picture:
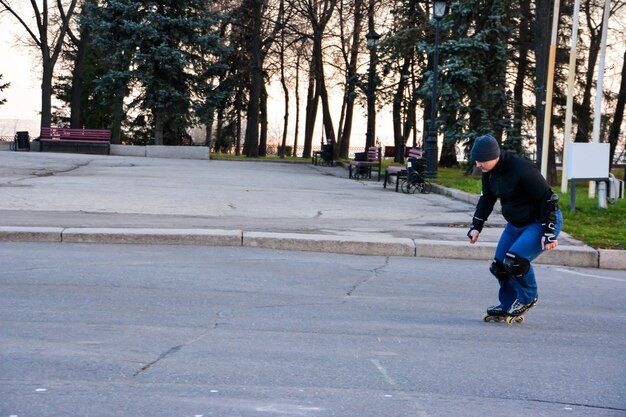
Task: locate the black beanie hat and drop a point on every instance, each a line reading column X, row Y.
column 485, row 149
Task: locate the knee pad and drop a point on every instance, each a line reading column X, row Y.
column 515, row 265
column 498, row 270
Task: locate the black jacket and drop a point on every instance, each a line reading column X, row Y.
column 524, row 194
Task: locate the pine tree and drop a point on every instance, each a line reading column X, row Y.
column 160, row 52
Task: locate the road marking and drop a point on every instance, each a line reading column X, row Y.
column 590, row 275
column 383, row 372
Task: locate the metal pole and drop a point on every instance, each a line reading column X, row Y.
column 431, row 140
column 570, row 95
column 371, row 101
column 372, row 39
column 598, row 109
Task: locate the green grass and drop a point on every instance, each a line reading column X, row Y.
column 599, row 228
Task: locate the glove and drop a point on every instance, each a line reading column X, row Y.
column 548, row 233
column 549, row 238
column 477, row 224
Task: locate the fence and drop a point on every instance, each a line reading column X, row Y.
column 272, row 150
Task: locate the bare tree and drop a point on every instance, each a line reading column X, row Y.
column 592, row 11
column 260, row 41
column 618, row 117
column 317, row 14
column 251, row 141
column 541, row 48
column 350, row 53
column 49, row 35
column 2, row 87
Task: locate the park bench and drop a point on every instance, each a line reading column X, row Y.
column 401, row 171
column 372, row 160
column 76, row 138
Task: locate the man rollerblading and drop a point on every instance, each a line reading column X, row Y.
column 533, row 224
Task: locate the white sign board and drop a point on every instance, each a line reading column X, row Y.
column 588, row 160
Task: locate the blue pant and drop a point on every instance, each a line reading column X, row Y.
column 524, row 242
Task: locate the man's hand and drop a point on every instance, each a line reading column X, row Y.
column 548, row 241
column 473, row 236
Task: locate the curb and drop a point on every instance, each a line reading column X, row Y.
column 572, row 256
column 333, row 244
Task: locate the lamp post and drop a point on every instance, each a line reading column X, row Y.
column 372, row 41
column 439, row 11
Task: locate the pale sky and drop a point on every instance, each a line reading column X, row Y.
column 19, row 67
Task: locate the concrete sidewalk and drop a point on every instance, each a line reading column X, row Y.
column 113, row 199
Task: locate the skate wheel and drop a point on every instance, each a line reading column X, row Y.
column 492, row 319
column 511, row 319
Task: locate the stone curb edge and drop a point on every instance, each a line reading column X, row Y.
column 573, row 256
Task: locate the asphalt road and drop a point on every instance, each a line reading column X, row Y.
column 122, row 330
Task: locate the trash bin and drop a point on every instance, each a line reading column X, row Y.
column 616, row 189
column 22, row 141
column 327, row 154
column 360, row 156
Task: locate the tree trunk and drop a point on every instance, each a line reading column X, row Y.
column 238, row 107
column 251, row 142
column 208, row 132
column 159, row 126
column 46, row 91
column 78, row 79
column 346, row 131
column 320, row 83
column 263, row 124
column 542, row 29
column 78, row 71
column 221, row 144
column 618, row 117
column 310, row 112
column 448, row 147
column 283, row 83
column 399, row 137
column 297, row 126
column 283, row 145
column 118, row 115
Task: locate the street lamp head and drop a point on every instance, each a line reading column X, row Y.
column 439, row 8
column 372, row 38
